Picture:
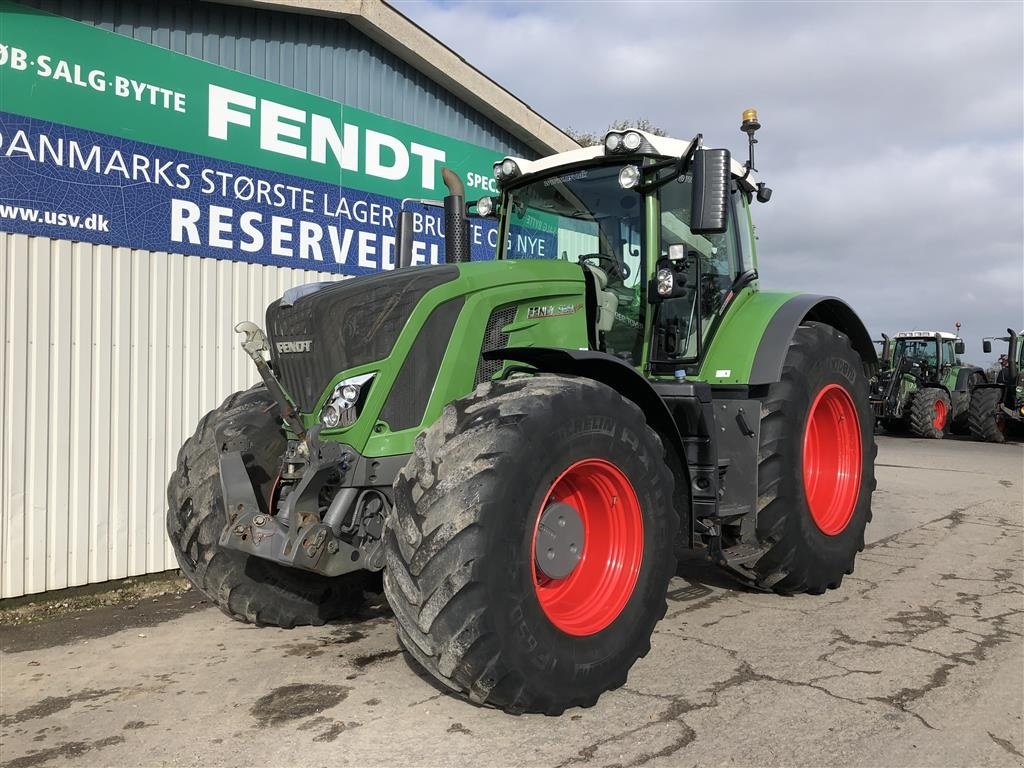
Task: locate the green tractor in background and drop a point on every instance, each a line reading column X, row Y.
column 922, row 386
column 995, row 407
column 522, row 444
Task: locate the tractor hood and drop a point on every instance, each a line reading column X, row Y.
column 342, row 325
column 319, row 330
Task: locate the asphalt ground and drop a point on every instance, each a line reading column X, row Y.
column 917, row 660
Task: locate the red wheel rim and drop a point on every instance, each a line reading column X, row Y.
column 593, row 595
column 832, row 459
column 940, row 414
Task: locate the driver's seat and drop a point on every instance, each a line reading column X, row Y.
column 607, row 302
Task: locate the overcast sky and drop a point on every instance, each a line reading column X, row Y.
column 892, row 132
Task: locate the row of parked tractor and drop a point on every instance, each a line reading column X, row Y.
column 924, row 388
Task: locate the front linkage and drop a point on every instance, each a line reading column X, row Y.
column 321, row 522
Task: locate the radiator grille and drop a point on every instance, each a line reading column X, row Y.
column 344, row 325
column 494, row 338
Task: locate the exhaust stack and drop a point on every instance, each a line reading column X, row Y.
column 456, row 225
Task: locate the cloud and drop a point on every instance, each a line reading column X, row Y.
column 892, row 131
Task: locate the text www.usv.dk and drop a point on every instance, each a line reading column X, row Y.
column 95, row 222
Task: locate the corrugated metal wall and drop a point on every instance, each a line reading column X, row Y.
column 110, row 357
column 320, row 55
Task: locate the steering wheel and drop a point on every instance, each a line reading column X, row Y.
column 614, row 269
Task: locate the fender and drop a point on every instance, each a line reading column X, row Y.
column 608, row 369
column 963, row 377
column 771, row 351
column 624, row 379
column 936, row 385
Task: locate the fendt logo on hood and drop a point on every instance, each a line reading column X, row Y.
column 286, row 347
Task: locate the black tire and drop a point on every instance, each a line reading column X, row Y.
column 927, row 406
column 459, row 573
column 797, row 555
column 960, row 424
column 983, row 417
column 246, row 588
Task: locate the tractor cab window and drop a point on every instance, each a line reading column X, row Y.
column 916, row 352
column 585, row 217
column 948, row 352
column 688, row 318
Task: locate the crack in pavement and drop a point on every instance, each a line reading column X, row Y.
column 1005, row 744
column 679, row 706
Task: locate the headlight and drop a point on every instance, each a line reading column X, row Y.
column 629, row 176
column 342, row 407
column 666, row 281
column 330, row 416
column 350, row 393
column 506, row 169
column 620, row 142
column 484, row 206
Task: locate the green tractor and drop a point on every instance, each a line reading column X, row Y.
column 922, row 385
column 995, row 407
column 522, row 444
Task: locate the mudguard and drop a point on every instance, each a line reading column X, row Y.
column 964, row 376
column 771, row 351
column 608, row 369
column 772, row 319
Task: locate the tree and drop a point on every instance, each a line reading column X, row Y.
column 588, row 139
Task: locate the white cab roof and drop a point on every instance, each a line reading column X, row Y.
column 662, row 145
column 924, row 335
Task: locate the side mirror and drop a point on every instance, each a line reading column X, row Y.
column 959, row 347
column 986, row 346
column 711, row 176
column 670, row 276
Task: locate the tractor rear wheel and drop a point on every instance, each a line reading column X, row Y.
column 960, row 422
column 815, row 467
column 984, row 419
column 530, row 546
column 930, row 413
column 245, row 587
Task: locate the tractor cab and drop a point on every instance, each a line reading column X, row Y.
column 930, row 353
column 660, row 226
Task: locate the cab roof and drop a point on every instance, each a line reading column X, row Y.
column 924, row 335
column 654, row 146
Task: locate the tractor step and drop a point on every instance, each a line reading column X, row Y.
column 743, row 554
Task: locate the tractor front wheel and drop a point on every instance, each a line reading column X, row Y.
column 245, row 587
column 815, row 467
column 985, row 420
column 930, row 413
column 530, row 546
